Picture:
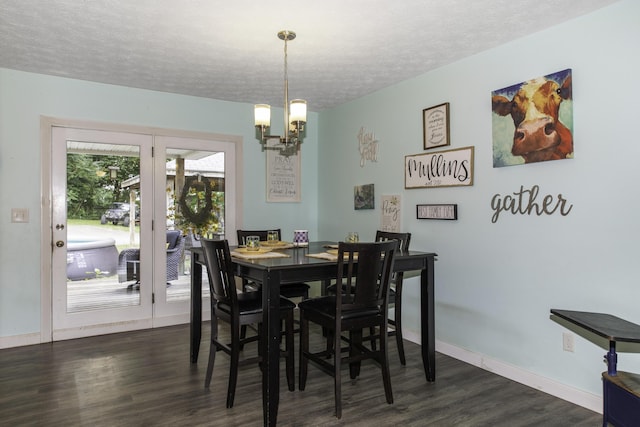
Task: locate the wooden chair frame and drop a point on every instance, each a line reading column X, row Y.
column 365, row 269
column 238, row 311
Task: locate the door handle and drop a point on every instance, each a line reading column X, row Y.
column 59, row 226
column 59, row 243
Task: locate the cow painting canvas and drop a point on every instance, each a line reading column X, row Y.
column 533, row 121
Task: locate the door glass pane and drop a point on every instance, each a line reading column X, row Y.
column 103, row 235
column 195, row 200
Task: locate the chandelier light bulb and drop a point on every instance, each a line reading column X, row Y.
column 298, row 111
column 262, row 114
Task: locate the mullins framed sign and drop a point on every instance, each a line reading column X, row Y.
column 449, row 168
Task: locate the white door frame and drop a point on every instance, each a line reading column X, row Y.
column 46, row 125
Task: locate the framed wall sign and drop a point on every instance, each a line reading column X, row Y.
column 447, row 168
column 435, row 124
column 283, row 176
column 390, row 213
column 363, row 197
column 441, row 211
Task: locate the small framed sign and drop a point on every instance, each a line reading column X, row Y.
column 440, row 211
column 435, row 122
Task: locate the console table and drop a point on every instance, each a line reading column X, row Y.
column 621, row 390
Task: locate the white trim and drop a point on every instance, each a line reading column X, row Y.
column 101, row 329
column 554, row 388
column 35, row 338
column 46, row 297
column 180, row 319
column 19, row 340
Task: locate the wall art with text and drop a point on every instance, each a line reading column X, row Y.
column 449, row 168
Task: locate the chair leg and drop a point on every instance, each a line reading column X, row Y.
column 213, row 349
column 329, row 342
column 234, row 363
column 304, row 348
column 372, row 335
column 243, row 335
column 398, row 322
column 384, row 364
column 337, row 377
column 355, row 339
column 289, row 351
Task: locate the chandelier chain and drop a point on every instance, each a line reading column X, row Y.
column 286, row 94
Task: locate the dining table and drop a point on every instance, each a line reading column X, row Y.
column 306, row 263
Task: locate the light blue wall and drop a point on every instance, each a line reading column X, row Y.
column 24, row 97
column 495, row 283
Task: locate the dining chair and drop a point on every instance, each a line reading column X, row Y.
column 238, row 310
column 365, row 269
column 288, row 290
column 395, row 295
column 395, row 290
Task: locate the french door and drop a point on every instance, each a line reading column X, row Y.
column 184, row 165
column 115, row 266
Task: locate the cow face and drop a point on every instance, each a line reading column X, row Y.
column 539, row 135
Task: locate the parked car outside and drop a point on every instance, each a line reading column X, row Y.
column 118, row 212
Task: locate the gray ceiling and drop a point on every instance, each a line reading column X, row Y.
column 229, row 50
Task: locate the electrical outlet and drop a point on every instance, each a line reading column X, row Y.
column 567, row 342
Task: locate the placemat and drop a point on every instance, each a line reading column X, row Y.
column 277, row 245
column 264, row 255
column 323, row 255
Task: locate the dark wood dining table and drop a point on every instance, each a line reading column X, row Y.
column 298, row 267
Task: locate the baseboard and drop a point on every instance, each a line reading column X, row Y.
column 515, row 373
column 20, row 340
column 177, row 319
column 101, row 329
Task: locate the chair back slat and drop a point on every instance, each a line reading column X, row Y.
column 365, row 269
column 220, row 271
column 403, row 238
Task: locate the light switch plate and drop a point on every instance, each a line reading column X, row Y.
column 19, row 215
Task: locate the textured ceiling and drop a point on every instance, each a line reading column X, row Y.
column 229, row 49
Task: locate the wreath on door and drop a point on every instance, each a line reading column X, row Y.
column 198, row 213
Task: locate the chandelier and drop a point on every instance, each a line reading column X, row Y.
column 295, row 114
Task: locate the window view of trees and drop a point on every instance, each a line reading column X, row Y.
column 94, row 183
column 91, row 188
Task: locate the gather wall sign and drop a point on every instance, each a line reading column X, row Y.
column 527, row 202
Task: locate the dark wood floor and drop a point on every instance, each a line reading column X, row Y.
column 144, row 378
